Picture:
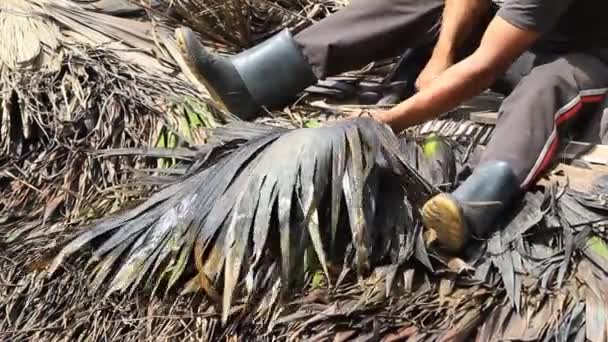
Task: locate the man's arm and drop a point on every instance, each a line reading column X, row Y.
column 460, row 17
column 501, row 44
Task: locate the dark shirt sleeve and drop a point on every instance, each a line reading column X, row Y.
column 534, row 15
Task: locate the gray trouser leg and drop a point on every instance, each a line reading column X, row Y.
column 368, row 30
column 602, row 118
column 553, row 93
column 595, row 129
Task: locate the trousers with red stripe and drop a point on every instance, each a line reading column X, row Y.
column 551, row 94
column 546, row 92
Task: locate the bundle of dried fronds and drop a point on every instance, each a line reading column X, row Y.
column 68, row 88
column 239, row 24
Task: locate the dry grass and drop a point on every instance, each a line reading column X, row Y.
column 239, row 24
column 76, row 98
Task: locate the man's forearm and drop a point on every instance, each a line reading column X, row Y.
column 460, row 17
column 502, row 43
column 457, row 84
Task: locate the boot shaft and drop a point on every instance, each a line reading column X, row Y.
column 486, row 194
column 274, row 71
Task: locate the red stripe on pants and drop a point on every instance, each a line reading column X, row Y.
column 548, row 157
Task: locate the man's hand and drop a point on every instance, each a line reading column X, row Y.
column 435, row 67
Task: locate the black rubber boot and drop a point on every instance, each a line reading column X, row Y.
column 401, row 82
column 474, row 207
column 267, row 75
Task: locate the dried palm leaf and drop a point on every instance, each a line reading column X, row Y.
column 30, row 41
column 245, row 208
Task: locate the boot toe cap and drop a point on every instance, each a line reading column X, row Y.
column 443, row 214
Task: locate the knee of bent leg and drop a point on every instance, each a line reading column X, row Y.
column 553, row 77
column 603, row 112
column 540, row 90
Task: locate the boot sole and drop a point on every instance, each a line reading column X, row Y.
column 185, row 40
column 442, row 214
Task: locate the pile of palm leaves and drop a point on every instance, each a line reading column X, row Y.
column 70, row 88
column 323, row 244
column 252, row 231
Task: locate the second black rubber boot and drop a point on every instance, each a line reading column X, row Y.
column 267, row 75
column 474, row 207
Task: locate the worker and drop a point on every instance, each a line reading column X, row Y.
column 549, row 56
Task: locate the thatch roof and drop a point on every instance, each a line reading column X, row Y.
column 97, row 112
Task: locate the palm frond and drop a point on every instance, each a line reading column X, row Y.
column 266, row 197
